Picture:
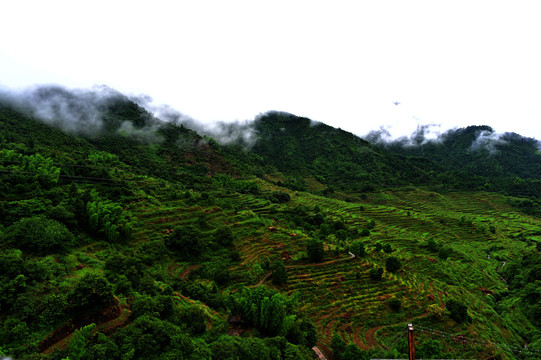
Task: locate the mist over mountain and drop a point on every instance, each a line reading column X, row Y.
column 478, row 150
column 124, row 229
column 103, row 109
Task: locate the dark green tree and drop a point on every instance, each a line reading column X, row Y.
column 395, row 304
column 185, row 241
column 459, row 311
column 315, row 250
column 279, row 273
column 90, row 294
column 376, row 273
column 393, row 264
column 40, row 235
column 357, row 248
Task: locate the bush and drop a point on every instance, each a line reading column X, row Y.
column 393, row 264
column 279, row 197
column 376, row 273
column 395, row 304
column 279, row 273
column 185, row 241
column 40, row 235
column 315, row 250
column 459, row 311
column 357, row 248
column 90, row 294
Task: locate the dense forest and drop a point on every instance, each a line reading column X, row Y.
column 129, row 237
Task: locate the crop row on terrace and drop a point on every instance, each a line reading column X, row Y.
column 340, row 296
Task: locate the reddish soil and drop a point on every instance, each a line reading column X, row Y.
column 107, row 321
column 319, row 264
column 262, row 279
column 325, row 350
column 370, row 337
column 187, row 271
column 357, row 340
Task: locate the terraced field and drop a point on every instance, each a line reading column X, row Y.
column 338, row 294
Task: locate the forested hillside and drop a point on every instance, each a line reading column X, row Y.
column 142, row 239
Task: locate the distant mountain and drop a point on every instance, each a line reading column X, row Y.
column 126, row 236
column 299, row 146
column 479, row 150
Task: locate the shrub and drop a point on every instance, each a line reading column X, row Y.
column 40, row 235
column 459, row 311
column 376, row 273
column 315, row 250
column 395, row 304
column 393, row 264
column 279, row 197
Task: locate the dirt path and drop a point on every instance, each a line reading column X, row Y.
column 325, row 350
column 357, row 340
column 319, row 264
column 64, row 333
column 262, row 279
column 370, row 335
column 187, row 271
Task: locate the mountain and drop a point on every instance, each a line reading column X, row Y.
column 124, row 236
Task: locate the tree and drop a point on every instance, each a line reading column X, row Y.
column 395, row 304
column 357, row 248
column 459, row 311
column 376, row 273
column 338, row 346
column 185, row 241
column 279, row 273
column 444, row 252
column 90, row 294
column 40, row 235
column 315, row 250
column 432, row 245
column 224, row 236
column 76, row 347
column 393, row 264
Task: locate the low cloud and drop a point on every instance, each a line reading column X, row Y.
column 236, row 132
column 73, row 110
column 487, row 140
column 84, row 112
column 422, row 135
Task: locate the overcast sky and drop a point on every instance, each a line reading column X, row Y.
column 449, row 63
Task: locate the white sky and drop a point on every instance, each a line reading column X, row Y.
column 454, row 63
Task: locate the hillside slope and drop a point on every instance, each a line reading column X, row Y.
column 172, row 244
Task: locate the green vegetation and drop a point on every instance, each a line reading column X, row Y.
column 116, row 248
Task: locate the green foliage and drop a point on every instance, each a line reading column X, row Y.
column 338, row 346
column 430, row 349
column 40, row 235
column 393, row 264
column 91, row 293
column 279, row 197
column 224, row 236
column 279, row 273
column 242, row 186
column 358, row 249
column 376, row 273
column 432, row 245
column 395, row 304
column 444, row 252
column 108, row 219
column 146, row 189
column 76, row 347
column 459, row 311
column 36, row 167
column 185, row 241
column 315, row 250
